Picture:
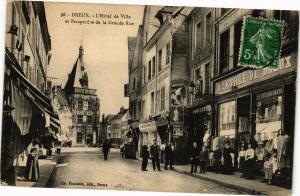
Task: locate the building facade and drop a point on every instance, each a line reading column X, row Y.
column 27, row 110
column 85, row 104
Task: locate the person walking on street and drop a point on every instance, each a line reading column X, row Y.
column 145, row 156
column 203, row 157
column 217, row 159
column 154, row 152
column 105, row 148
column 194, row 157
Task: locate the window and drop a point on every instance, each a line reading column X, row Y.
column 145, row 70
column 162, row 99
column 133, row 84
column 79, row 119
column 207, row 78
column 168, row 53
column 85, row 105
column 237, row 41
column 79, row 138
column 152, row 103
column 80, row 105
column 149, row 70
column 153, row 66
column 224, row 52
column 89, row 119
column 159, row 60
column 208, row 29
column 90, row 105
column 142, row 108
column 157, row 99
column 199, row 83
column 227, row 120
column 292, row 24
column 198, row 35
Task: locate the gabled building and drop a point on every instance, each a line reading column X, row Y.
column 85, row 104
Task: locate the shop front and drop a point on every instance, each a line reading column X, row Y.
column 148, row 132
column 258, row 107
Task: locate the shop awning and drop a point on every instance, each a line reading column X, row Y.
column 33, row 94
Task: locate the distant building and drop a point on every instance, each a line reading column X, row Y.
column 85, row 104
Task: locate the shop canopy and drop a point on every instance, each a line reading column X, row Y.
column 38, row 98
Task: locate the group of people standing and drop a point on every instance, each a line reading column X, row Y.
column 155, row 156
column 222, row 161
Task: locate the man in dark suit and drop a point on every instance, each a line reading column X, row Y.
column 194, row 156
column 203, row 157
column 154, row 152
column 145, row 156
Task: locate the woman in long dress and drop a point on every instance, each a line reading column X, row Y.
column 250, row 163
column 227, row 155
column 32, row 166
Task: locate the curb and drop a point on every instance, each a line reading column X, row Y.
column 51, row 178
column 229, row 185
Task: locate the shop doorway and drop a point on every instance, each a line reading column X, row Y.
column 243, row 120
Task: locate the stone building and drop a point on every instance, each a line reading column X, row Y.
column 85, row 104
column 27, row 110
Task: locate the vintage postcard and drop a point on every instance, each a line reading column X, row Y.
column 149, row 98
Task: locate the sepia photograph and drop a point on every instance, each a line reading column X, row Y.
column 149, row 98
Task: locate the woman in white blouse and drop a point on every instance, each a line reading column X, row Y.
column 250, row 162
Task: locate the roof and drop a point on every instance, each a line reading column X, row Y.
column 61, row 97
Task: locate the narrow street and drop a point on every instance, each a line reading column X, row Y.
column 85, row 168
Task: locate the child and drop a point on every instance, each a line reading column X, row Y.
column 268, row 166
column 241, row 160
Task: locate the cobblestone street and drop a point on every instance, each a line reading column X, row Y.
column 85, row 168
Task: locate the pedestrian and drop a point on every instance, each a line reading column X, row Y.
column 154, row 152
column 241, row 161
column 105, row 148
column 228, row 153
column 250, row 163
column 268, row 167
column 217, row 159
column 203, row 157
column 32, row 172
column 172, row 156
column 194, row 157
column 167, row 156
column 145, row 156
column 211, row 160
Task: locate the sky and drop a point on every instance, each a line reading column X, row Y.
column 105, row 48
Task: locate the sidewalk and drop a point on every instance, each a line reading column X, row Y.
column 236, row 182
column 253, row 187
column 46, row 167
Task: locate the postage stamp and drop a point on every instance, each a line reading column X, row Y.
column 261, row 42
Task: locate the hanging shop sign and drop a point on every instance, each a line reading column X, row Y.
column 147, row 126
column 177, row 130
column 203, row 109
column 161, row 122
column 286, row 64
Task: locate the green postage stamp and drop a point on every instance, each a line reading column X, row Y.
column 261, row 42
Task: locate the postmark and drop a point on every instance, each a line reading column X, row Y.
column 261, row 42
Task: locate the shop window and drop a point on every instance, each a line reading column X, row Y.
column 198, row 35
column 79, row 138
column 224, row 52
column 269, row 114
column 208, row 29
column 227, row 121
column 237, row 41
column 153, row 66
column 163, row 97
column 152, row 103
column 159, row 60
column 149, row 70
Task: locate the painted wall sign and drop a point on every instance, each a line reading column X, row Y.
column 246, row 78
